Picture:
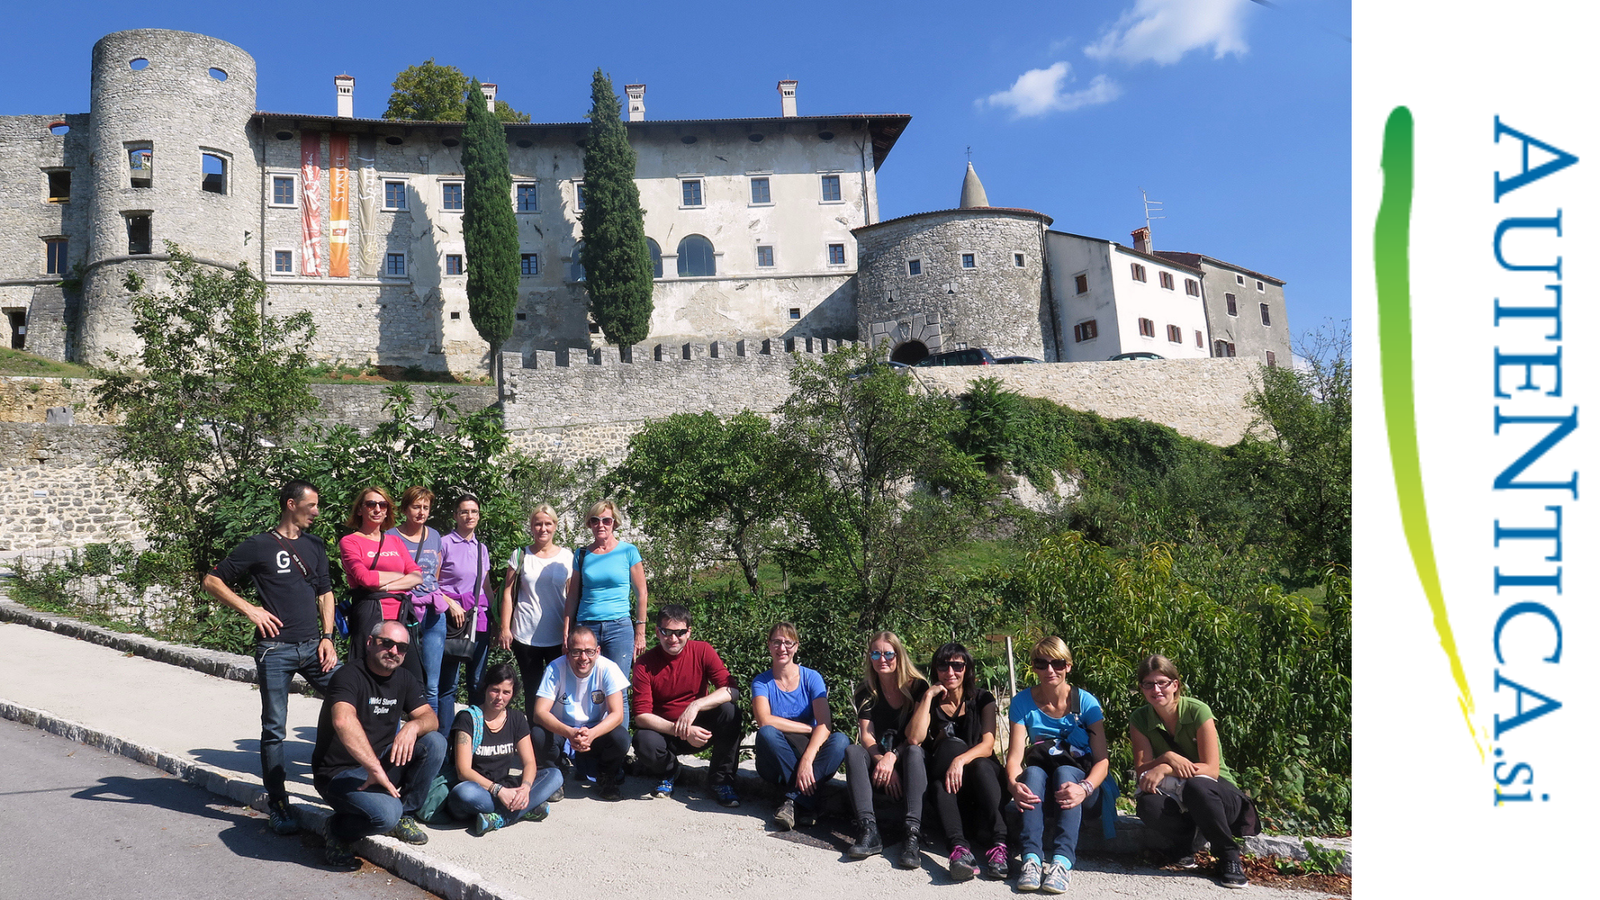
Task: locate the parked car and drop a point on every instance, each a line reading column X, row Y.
column 1139, row 354
column 972, row 356
column 893, row 367
column 1016, row 361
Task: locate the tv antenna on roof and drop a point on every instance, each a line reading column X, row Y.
column 1150, row 207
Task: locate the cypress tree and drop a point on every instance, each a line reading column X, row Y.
column 615, row 258
column 489, row 227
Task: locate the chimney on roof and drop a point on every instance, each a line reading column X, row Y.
column 345, row 87
column 1141, row 240
column 786, row 91
column 488, row 94
column 635, row 102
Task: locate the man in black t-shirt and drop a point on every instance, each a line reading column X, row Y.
column 374, row 771
column 289, row 568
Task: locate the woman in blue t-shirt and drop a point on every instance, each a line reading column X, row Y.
column 1056, row 763
column 604, row 574
column 795, row 749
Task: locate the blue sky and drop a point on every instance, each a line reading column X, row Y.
column 1234, row 113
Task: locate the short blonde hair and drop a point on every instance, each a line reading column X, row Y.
column 1051, row 647
column 601, row 506
column 546, row 509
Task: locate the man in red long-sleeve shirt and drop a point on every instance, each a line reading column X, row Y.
column 683, row 699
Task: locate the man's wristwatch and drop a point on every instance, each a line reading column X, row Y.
column 327, row 636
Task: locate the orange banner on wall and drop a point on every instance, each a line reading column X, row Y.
column 339, row 205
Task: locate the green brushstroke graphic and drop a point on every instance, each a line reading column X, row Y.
column 1391, row 260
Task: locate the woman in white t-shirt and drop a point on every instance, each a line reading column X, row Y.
column 533, row 603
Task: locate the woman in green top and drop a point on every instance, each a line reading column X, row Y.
column 1184, row 785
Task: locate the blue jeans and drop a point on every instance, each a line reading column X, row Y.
column 276, row 665
column 358, row 813
column 468, row 799
column 1065, row 841
column 450, row 676
column 615, row 638
column 432, row 631
column 778, row 756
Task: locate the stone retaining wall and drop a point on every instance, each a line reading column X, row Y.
column 56, row 490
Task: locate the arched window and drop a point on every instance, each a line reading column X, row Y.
column 577, row 263
column 655, row 257
column 696, row 256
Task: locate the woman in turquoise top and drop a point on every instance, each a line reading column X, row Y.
column 1184, row 785
column 604, row 574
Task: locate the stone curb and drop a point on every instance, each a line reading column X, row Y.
column 234, row 667
column 414, row 865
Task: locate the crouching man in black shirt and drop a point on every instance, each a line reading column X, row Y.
column 373, row 776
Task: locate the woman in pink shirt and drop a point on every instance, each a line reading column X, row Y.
column 377, row 568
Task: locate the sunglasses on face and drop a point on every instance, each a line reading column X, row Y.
column 375, row 504
column 384, row 643
column 881, row 656
column 672, row 632
column 953, row 665
column 601, row 520
column 1060, row 665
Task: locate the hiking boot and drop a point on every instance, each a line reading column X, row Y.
column 784, row 817
column 537, row 813
column 663, row 790
column 609, row 789
column 1032, row 873
column 963, row 865
column 997, row 863
column 1056, row 879
column 407, row 830
column 868, row 844
column 483, row 823
column 911, row 851
column 1230, row 871
column 558, row 796
column 727, row 796
column 338, row 854
column 280, row 818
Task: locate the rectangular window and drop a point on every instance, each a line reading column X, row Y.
column 282, row 190
column 1261, row 287
column 1081, row 282
column 968, row 261
column 283, row 262
column 452, row 264
column 1272, row 360
column 1239, row 279
column 577, row 188
column 394, row 195
column 527, row 198
column 691, row 193
column 764, row 257
column 1191, row 287
column 1166, row 280
column 1266, row 316
column 1199, row 339
column 913, row 267
column 1233, row 305
column 454, row 194
column 138, row 235
column 1019, row 260
column 1224, row 348
column 830, row 189
column 835, row 254
column 60, row 184
column 760, row 190
column 213, row 174
column 1138, row 272
column 794, row 312
column 55, row 256
column 141, row 165
column 530, row 264
column 1085, row 331
column 1174, row 334
column 1147, row 328
column 394, row 264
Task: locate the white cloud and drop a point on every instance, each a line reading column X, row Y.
column 1039, row 91
column 1162, row 31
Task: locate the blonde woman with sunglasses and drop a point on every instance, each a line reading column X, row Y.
column 882, row 759
column 604, row 575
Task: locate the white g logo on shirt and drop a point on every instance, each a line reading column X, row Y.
column 283, row 561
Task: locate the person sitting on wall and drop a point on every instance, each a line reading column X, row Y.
column 373, row 770
column 674, row 713
column 580, row 702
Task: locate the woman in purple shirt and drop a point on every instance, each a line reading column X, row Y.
column 463, row 574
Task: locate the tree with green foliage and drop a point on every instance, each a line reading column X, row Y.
column 615, row 257
column 213, row 387
column 719, row 488
column 489, row 229
column 892, row 489
column 435, row 93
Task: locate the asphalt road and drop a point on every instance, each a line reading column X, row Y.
column 80, row 823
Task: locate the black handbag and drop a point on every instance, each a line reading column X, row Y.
column 461, row 641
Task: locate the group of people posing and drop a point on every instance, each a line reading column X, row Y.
column 577, row 624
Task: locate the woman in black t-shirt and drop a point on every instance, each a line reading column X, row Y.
column 882, row 758
column 955, row 722
column 488, row 795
